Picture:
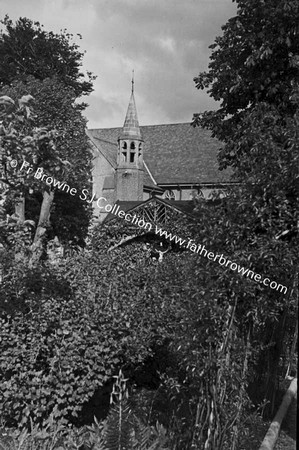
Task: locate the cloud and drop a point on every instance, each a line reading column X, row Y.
column 164, row 41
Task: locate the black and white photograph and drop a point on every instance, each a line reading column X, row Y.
column 149, row 224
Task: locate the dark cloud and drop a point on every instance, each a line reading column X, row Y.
column 168, row 41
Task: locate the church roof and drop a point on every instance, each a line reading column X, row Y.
column 174, row 153
column 109, row 150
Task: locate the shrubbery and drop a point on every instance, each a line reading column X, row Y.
column 192, row 337
column 187, row 333
column 95, row 312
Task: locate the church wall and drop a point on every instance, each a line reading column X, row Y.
column 129, row 184
column 101, row 169
column 99, row 207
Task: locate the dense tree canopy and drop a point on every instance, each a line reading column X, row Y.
column 254, row 73
column 70, row 160
column 27, row 49
column 255, row 60
column 63, row 155
column 46, row 67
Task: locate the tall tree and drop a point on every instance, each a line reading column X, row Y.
column 27, row 49
column 255, row 60
column 68, row 161
column 254, row 73
column 47, row 66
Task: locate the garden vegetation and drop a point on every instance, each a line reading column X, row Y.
column 114, row 349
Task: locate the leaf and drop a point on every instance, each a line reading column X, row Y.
column 7, row 101
column 25, row 100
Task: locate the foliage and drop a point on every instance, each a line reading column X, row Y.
column 122, row 430
column 69, row 336
column 46, row 66
column 253, row 72
column 255, row 61
column 53, row 354
column 96, row 311
column 20, row 140
column 69, row 160
column 18, row 134
column 190, row 334
column 27, row 49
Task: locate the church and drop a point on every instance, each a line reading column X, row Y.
column 168, row 165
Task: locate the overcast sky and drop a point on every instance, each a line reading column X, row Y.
column 164, row 41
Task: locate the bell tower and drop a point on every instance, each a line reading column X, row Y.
column 129, row 171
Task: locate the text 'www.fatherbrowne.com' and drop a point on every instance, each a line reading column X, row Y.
column 201, row 250
column 195, row 248
column 134, row 219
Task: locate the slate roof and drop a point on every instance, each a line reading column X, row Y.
column 109, row 149
column 174, row 153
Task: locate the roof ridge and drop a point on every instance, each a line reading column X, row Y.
column 143, row 126
column 163, row 124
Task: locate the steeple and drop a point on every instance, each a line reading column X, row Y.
column 129, row 170
column 131, row 129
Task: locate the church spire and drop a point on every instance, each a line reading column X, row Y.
column 129, row 170
column 131, row 129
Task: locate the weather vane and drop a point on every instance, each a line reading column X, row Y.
column 132, row 81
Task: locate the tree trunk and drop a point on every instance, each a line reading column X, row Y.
column 20, row 208
column 43, row 223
